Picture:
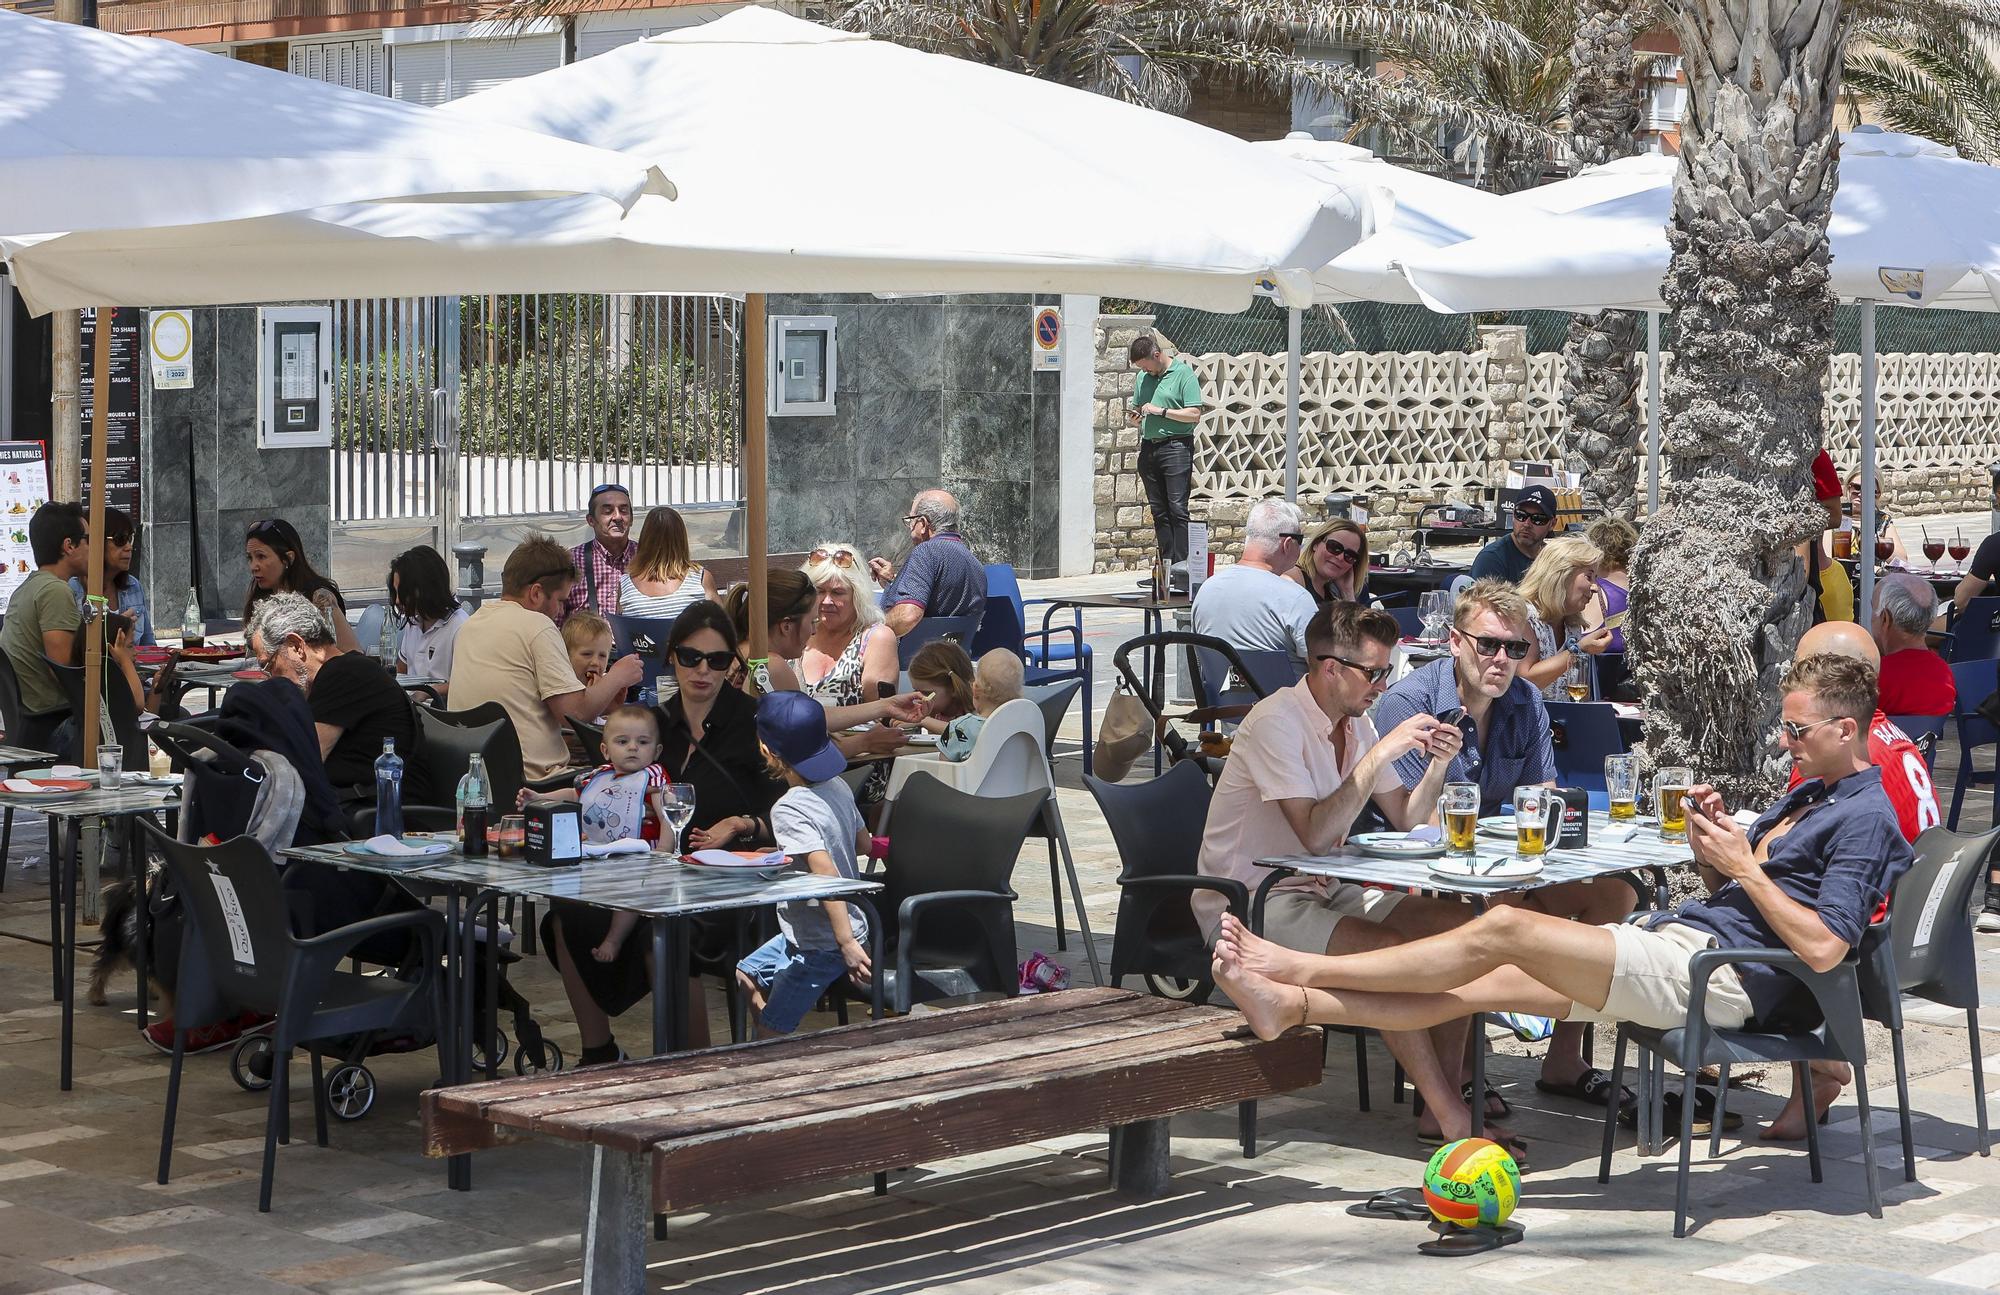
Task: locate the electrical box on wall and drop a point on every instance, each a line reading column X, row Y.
column 802, row 372
column 294, row 377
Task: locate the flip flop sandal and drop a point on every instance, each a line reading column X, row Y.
column 1403, row 1204
column 1493, row 1098
column 1456, row 1241
column 1704, row 1114
column 1593, row 1087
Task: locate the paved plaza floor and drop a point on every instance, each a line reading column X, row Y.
column 80, row 1214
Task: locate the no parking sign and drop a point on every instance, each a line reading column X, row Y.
column 1045, row 348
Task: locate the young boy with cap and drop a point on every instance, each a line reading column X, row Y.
column 815, row 822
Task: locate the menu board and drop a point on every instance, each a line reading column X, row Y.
column 121, row 418
column 24, row 487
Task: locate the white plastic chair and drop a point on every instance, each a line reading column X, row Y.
column 1009, row 759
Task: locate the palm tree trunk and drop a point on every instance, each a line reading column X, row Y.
column 1718, row 598
column 1600, row 364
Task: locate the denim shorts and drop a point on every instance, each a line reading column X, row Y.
column 791, row 980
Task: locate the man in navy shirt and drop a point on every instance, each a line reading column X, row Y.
column 1809, row 875
column 1509, row 557
column 941, row 576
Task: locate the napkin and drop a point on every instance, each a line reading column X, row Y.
column 19, row 784
column 631, row 845
column 66, row 771
column 386, row 844
column 1618, row 833
column 1425, row 832
column 738, row 859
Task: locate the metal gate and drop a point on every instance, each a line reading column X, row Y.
column 479, row 419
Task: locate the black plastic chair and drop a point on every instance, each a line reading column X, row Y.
column 448, row 739
column 239, row 954
column 591, row 738
column 951, row 860
column 960, row 629
column 1157, row 826
column 119, row 704
column 35, row 732
column 1207, row 650
column 1696, row 1044
column 1926, row 949
column 1976, row 681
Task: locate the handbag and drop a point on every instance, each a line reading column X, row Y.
column 1123, row 735
column 1989, row 710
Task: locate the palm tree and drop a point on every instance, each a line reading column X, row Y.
column 1157, row 52
column 1926, row 67
column 1718, row 598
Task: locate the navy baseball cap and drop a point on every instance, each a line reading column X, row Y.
column 793, row 725
column 1539, row 499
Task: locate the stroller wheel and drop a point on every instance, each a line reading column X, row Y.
column 350, row 1091
column 250, row 1063
column 543, row 1057
column 501, row 1047
column 1177, row 988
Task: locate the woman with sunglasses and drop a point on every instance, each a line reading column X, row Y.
column 278, row 564
column 1333, row 565
column 1558, row 587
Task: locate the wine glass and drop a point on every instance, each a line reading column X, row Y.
column 679, row 808
column 1576, row 681
column 1960, row 550
column 1933, row 549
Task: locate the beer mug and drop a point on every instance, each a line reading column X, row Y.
column 1670, row 791
column 1621, row 785
column 1537, row 820
column 1458, row 810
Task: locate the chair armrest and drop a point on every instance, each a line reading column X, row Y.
column 1045, row 635
column 913, row 907
column 1834, row 990
column 554, row 782
column 1229, row 888
column 321, row 954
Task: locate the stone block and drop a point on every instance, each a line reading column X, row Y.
column 1131, row 517
column 1102, row 489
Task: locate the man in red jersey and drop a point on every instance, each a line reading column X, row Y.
column 1907, row 780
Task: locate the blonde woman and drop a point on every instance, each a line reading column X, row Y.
column 1558, row 587
column 663, row 578
column 1333, row 565
column 851, row 653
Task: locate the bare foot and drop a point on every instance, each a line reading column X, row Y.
column 605, row 952
column 1790, row 1126
column 1269, row 1007
column 1255, row 953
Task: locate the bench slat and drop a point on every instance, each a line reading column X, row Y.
column 636, row 1123
column 1057, row 1098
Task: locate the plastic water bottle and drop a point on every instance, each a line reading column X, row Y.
column 387, row 642
column 389, row 790
column 475, row 795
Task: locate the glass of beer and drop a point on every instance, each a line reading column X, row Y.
column 1670, row 790
column 1458, row 809
column 1537, row 819
column 1621, row 784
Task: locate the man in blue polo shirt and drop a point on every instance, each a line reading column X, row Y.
column 1808, row 876
column 1506, row 727
column 941, row 577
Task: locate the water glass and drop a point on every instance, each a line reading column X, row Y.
column 110, row 765
column 680, row 811
column 1670, row 790
column 1458, row 810
column 1621, row 785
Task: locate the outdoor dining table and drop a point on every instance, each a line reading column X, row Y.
column 1600, row 858
column 1154, row 610
column 129, row 803
column 657, row 886
column 1384, row 580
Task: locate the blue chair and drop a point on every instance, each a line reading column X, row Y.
column 1974, row 633
column 1408, row 619
column 1976, row 682
column 1924, row 730
column 1584, row 733
column 1049, row 655
column 645, row 635
column 963, row 630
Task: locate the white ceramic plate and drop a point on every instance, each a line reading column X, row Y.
column 1395, row 845
column 419, row 846
column 1492, row 869
column 1497, row 825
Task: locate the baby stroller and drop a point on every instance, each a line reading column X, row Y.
column 230, row 792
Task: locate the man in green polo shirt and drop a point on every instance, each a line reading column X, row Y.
column 1166, row 404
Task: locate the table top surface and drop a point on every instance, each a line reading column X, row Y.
column 1600, row 858
column 657, row 885
column 99, row 803
column 1135, row 601
column 13, row 755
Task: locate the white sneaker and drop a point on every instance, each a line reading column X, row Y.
column 1988, row 921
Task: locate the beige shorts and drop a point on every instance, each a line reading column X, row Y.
column 1650, row 984
column 1304, row 919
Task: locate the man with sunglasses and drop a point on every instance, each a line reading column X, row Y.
column 1509, row 557
column 1249, row 604
column 602, row 558
column 510, row 651
column 1302, row 766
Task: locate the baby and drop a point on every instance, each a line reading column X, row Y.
column 622, row 799
column 961, row 698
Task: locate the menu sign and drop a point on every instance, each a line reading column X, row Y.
column 24, row 487
column 121, row 419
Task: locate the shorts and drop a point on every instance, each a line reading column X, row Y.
column 791, row 980
column 1303, row 919
column 1650, row 984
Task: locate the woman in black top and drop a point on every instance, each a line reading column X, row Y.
column 278, row 565
column 708, row 734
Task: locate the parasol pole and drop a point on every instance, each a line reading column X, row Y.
column 93, row 579
column 755, row 358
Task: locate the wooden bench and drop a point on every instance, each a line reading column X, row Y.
column 700, row 1128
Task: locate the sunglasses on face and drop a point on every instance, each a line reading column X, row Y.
column 1375, row 674
column 1297, row 537
column 1797, row 731
column 1534, row 519
column 1341, row 550
column 1514, row 648
column 839, row 557
column 688, row 658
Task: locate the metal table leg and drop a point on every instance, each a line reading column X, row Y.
column 142, row 912
column 72, row 850
column 662, row 987
column 452, row 1058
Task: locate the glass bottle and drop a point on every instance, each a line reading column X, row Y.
column 389, row 790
